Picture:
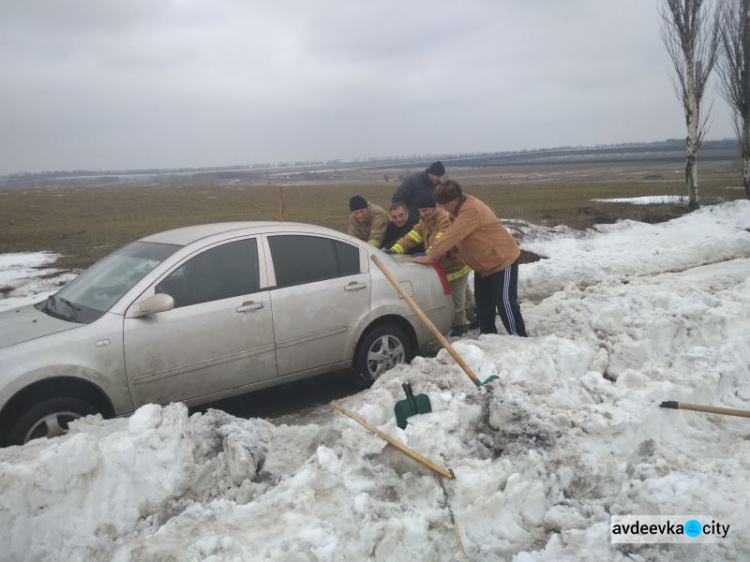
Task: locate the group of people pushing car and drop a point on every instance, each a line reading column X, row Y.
column 463, row 234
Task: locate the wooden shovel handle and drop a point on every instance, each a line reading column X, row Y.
column 415, row 307
column 397, row 444
column 707, row 409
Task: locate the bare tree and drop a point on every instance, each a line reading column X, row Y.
column 734, row 71
column 689, row 32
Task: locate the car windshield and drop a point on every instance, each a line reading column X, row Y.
column 94, row 291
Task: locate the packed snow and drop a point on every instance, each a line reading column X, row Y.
column 621, row 319
column 647, row 200
column 26, row 278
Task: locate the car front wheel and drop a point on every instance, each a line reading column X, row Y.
column 49, row 418
column 380, row 350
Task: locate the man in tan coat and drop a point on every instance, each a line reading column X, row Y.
column 432, row 225
column 367, row 221
column 489, row 249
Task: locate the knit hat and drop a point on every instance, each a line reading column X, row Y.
column 424, row 199
column 436, row 169
column 357, row 202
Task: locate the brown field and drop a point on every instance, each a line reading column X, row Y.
column 84, row 224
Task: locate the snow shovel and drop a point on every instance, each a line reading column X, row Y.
column 435, row 332
column 708, row 409
column 395, row 443
column 413, row 405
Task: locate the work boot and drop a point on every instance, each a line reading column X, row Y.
column 458, row 331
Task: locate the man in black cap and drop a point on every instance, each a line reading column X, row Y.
column 412, row 186
column 367, row 221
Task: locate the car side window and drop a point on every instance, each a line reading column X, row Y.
column 225, row 271
column 305, row 259
column 347, row 257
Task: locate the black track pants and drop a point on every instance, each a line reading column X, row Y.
column 499, row 291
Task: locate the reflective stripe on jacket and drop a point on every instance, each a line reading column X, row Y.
column 429, row 232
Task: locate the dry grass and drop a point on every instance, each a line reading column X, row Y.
column 84, row 224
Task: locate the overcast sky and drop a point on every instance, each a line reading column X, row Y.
column 100, row 84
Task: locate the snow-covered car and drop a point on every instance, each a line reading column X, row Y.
column 205, row 312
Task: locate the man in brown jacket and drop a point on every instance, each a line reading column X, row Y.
column 489, row 249
column 432, row 225
column 367, row 221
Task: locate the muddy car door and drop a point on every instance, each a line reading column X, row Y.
column 219, row 335
column 320, row 295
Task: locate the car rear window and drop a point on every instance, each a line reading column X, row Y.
column 305, row 259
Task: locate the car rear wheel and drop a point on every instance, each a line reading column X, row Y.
column 50, row 418
column 380, row 350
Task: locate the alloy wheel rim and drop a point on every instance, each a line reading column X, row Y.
column 385, row 353
column 51, row 425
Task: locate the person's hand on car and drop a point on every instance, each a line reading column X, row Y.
column 420, row 259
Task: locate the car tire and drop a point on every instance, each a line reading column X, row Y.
column 48, row 418
column 381, row 349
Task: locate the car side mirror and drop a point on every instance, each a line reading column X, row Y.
column 153, row 304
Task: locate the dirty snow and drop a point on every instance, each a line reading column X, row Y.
column 25, row 278
column 621, row 319
column 648, row 200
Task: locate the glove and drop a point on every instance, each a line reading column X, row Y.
column 388, row 251
column 418, row 254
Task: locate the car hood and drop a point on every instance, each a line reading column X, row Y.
column 25, row 323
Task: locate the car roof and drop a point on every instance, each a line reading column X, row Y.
column 189, row 234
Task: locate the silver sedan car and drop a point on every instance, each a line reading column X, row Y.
column 206, row 312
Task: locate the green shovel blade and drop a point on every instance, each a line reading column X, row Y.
column 479, row 383
column 413, row 405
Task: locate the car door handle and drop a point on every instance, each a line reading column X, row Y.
column 250, row 305
column 354, row 286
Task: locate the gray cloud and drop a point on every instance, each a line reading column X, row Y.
column 112, row 84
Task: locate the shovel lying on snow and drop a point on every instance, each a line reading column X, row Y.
column 395, row 443
column 413, row 405
column 707, row 409
column 435, row 332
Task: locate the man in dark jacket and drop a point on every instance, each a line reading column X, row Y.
column 414, row 185
column 400, row 224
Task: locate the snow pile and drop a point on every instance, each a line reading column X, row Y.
column 631, row 249
column 112, row 477
column 648, row 200
column 570, row 435
column 25, row 279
